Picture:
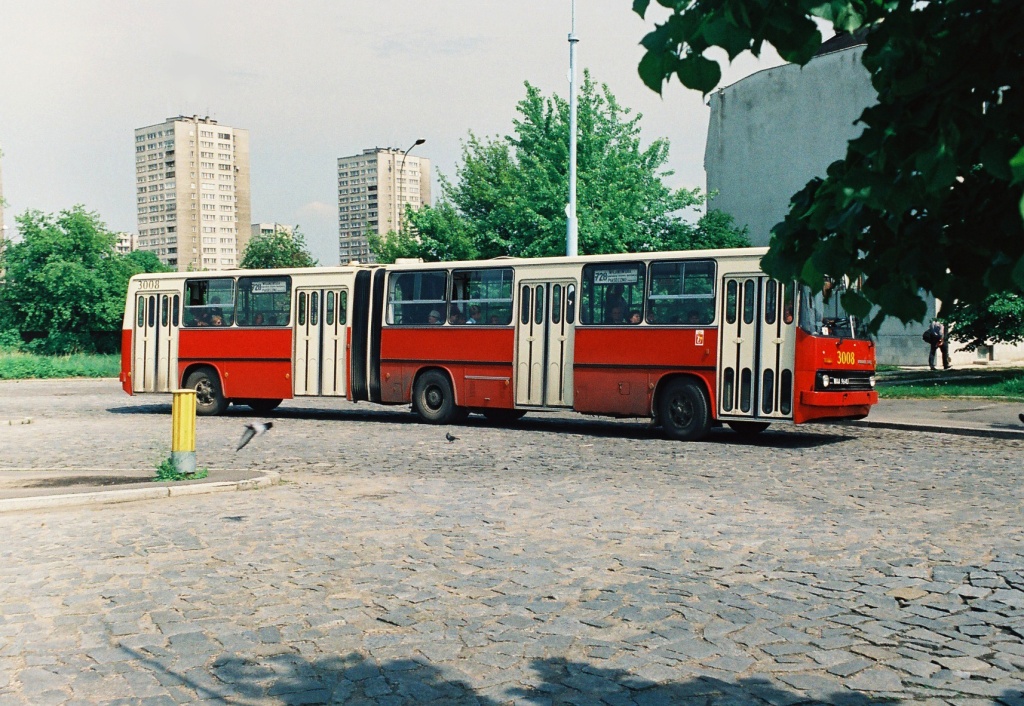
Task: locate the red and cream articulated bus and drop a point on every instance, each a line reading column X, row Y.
column 690, row 339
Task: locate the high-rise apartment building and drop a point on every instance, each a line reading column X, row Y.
column 373, row 190
column 192, row 192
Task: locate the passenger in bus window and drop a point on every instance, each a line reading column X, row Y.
column 434, row 317
column 635, row 317
column 216, row 320
column 456, row 319
column 614, row 300
column 257, row 320
column 474, row 315
column 616, row 315
column 787, row 311
column 495, row 321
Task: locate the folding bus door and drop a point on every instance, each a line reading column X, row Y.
column 777, row 350
column 319, row 367
column 544, row 343
column 155, row 342
column 758, row 343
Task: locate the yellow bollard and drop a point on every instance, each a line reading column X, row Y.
column 183, row 431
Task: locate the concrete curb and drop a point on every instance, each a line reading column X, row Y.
column 109, row 497
column 936, row 429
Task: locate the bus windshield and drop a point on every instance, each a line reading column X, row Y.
column 822, row 312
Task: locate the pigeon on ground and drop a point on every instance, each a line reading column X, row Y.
column 252, row 430
column 1021, row 418
column 448, row 435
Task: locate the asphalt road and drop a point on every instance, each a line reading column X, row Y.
column 561, row 560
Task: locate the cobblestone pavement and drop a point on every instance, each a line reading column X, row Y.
column 567, row 560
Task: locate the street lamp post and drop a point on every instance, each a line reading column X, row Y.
column 572, row 227
column 398, row 223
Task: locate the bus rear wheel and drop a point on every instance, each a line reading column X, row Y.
column 503, row 416
column 748, row 428
column 210, row 400
column 684, row 412
column 434, row 401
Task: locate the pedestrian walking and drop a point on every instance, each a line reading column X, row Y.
column 936, row 338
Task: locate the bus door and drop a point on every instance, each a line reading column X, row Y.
column 544, row 343
column 320, row 317
column 155, row 342
column 757, row 349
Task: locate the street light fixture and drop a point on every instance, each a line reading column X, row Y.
column 398, row 224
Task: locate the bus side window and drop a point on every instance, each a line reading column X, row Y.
column 682, row 292
column 264, row 301
column 412, row 296
column 210, row 302
column 481, row 296
column 613, row 293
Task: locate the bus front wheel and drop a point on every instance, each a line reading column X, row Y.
column 433, row 399
column 210, row 399
column 684, row 412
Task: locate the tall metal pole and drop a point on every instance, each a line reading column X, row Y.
column 398, row 221
column 572, row 227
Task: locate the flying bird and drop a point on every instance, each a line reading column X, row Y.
column 448, row 435
column 252, row 430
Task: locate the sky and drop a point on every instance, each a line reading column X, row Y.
column 312, row 80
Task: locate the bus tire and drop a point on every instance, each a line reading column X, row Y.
column 748, row 428
column 210, row 400
column 263, row 406
column 503, row 416
column 434, row 400
column 684, row 411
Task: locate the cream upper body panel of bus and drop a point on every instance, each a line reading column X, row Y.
column 175, row 281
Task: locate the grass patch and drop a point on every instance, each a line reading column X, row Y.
column 16, row 365
column 166, row 472
column 1003, row 384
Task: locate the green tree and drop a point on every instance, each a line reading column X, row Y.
column 65, row 284
column 997, row 319
column 931, row 195
column 277, row 249
column 509, row 194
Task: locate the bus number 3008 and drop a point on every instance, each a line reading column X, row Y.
column 149, row 284
column 847, row 358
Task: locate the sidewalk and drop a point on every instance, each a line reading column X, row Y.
column 967, row 417
column 37, row 489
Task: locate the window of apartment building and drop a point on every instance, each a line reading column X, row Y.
column 206, row 165
column 206, row 175
column 224, row 167
column 226, row 177
column 224, row 157
column 206, row 155
column 205, row 143
column 205, row 133
column 224, row 135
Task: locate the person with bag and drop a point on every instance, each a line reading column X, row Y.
column 935, row 337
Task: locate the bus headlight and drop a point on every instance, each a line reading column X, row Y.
column 824, row 380
column 871, row 381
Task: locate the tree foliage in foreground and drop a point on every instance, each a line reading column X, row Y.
column 277, row 249
column 509, row 194
column 931, row 195
column 65, row 284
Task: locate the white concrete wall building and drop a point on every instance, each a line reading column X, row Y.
column 270, row 229
column 373, row 190
column 773, row 131
column 192, row 192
